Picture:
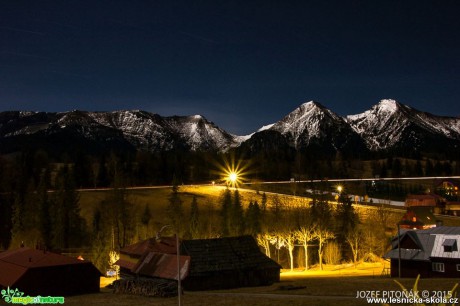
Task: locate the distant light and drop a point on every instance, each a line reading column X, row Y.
column 339, row 189
column 233, row 177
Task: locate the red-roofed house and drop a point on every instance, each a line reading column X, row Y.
column 38, row 272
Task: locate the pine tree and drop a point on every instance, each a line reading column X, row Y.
column 194, row 219
column 253, row 226
column 68, row 229
column 237, row 222
column 226, row 203
column 264, row 203
column 174, row 209
column 146, row 216
column 346, row 219
column 44, row 210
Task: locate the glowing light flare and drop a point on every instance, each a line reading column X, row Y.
column 233, row 172
column 233, row 177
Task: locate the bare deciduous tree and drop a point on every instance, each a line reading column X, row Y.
column 264, row 241
column 353, row 239
column 288, row 240
column 305, row 235
column 322, row 235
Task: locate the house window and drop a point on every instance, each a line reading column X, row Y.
column 438, row 266
column 458, row 267
column 450, row 245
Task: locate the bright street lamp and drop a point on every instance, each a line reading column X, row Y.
column 233, row 178
column 339, row 189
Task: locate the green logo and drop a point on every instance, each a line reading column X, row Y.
column 17, row 297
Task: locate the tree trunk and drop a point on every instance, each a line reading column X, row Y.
column 320, row 256
column 291, row 256
column 305, row 247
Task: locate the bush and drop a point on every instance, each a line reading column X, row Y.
column 332, row 254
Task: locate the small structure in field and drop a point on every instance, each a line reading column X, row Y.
column 432, row 252
column 39, row 272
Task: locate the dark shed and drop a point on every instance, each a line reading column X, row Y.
column 229, row 262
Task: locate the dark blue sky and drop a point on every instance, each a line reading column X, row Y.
column 241, row 64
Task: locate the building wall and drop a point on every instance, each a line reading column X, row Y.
column 411, row 268
column 60, row 280
column 450, row 267
column 232, row 279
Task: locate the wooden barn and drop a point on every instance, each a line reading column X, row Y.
column 131, row 254
column 432, row 252
column 229, row 262
column 37, row 272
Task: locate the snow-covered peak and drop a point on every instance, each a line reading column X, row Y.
column 384, row 108
column 387, row 124
column 306, row 122
column 388, row 105
column 265, row 127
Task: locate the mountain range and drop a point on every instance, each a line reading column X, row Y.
column 388, row 126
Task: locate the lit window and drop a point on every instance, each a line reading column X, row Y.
column 458, row 267
column 438, row 266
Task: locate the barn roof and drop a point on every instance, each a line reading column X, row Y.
column 225, row 254
column 15, row 263
column 162, row 265
column 30, row 258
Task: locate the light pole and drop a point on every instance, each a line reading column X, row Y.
column 179, row 287
column 399, row 251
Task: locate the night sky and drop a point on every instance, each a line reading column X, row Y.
column 241, row 64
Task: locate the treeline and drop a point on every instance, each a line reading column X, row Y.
column 296, row 232
column 146, row 168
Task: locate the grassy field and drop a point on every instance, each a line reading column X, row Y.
column 208, row 198
column 337, row 285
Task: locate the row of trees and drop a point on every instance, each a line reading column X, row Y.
column 50, row 220
column 145, row 168
column 312, row 228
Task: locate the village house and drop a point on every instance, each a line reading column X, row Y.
column 436, row 202
column 431, row 252
column 39, row 272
